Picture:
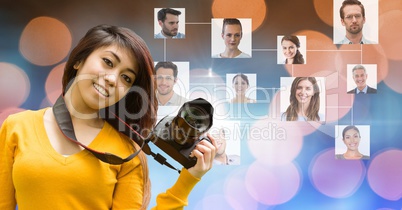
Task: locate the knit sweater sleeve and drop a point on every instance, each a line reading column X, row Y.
column 7, row 191
column 176, row 197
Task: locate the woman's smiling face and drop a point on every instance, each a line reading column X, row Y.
column 289, row 49
column 104, row 77
column 240, row 85
column 304, row 92
column 352, row 139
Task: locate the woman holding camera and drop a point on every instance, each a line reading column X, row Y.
column 108, row 74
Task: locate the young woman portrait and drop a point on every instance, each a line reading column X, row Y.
column 108, row 77
column 354, row 143
column 241, row 85
column 235, row 35
column 304, row 100
column 290, row 49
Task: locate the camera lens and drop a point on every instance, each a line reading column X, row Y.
column 196, row 117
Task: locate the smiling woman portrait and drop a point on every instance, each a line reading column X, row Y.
column 108, row 86
column 304, row 101
column 291, row 50
column 240, row 84
column 351, row 138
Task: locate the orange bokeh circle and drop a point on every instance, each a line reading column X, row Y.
column 374, row 54
column 254, row 9
column 324, row 11
column 45, row 41
column 394, row 78
column 387, row 5
column 391, row 29
column 320, row 56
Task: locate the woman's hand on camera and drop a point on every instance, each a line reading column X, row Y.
column 205, row 152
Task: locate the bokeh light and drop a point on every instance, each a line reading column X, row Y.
column 336, row 178
column 269, row 186
column 235, row 188
column 230, row 187
column 14, row 86
column 6, row 112
column 394, row 77
column 50, row 99
column 53, row 85
column 255, row 9
column 274, row 143
column 217, row 202
column 317, row 41
column 321, row 54
column 324, row 11
column 349, row 54
column 45, row 41
column 391, row 29
column 374, row 54
column 386, row 5
column 384, row 174
column 339, row 103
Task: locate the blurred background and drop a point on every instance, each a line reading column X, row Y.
column 284, row 165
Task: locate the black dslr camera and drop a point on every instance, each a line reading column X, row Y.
column 177, row 136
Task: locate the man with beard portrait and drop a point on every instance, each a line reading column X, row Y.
column 352, row 15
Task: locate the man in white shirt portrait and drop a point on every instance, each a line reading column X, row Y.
column 166, row 77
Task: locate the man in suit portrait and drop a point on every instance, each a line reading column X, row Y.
column 360, row 77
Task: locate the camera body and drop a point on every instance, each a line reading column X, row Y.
column 177, row 136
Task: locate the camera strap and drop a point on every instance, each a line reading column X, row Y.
column 65, row 125
column 158, row 157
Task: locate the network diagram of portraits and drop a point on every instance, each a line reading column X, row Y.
column 299, row 98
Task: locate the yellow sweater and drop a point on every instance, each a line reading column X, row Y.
column 34, row 176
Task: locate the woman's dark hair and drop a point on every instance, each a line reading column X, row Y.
column 162, row 13
column 351, row 2
column 244, row 77
column 231, row 21
column 298, row 59
column 349, row 127
column 140, row 100
column 167, row 65
column 138, row 108
column 314, row 106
